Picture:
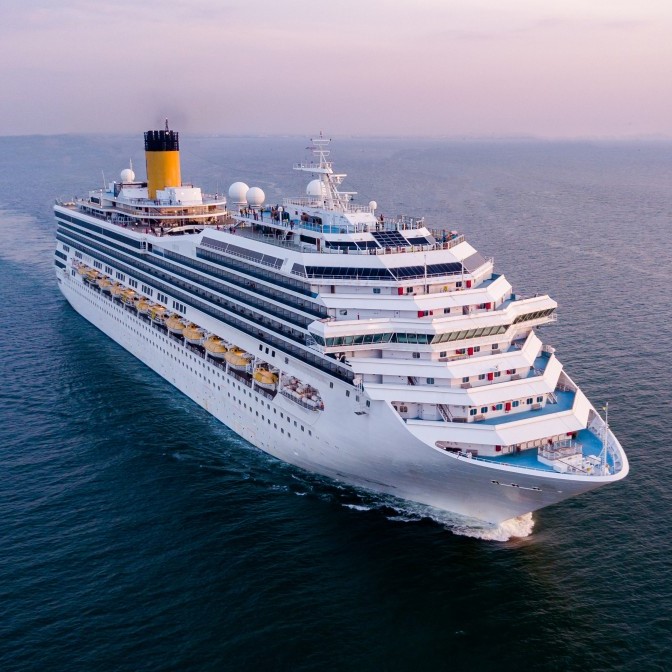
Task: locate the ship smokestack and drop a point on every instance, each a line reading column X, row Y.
column 162, row 155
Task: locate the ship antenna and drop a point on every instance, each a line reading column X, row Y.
column 103, row 174
column 166, row 124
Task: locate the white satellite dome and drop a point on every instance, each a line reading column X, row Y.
column 237, row 192
column 373, row 205
column 315, row 188
column 255, row 196
column 127, row 175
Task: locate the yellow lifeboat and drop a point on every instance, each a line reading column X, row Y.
column 265, row 378
column 175, row 324
column 91, row 275
column 128, row 297
column 116, row 290
column 104, row 283
column 237, row 358
column 143, row 305
column 215, row 346
column 83, row 270
column 193, row 334
column 157, row 314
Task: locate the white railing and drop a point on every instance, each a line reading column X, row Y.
column 560, row 449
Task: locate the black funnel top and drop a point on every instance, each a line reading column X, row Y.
column 162, row 141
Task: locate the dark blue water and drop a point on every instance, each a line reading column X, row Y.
column 137, row 533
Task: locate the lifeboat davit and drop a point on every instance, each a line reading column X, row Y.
column 193, row 334
column 215, row 346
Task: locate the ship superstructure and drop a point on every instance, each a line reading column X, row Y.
column 370, row 349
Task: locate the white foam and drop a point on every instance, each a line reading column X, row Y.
column 412, row 512
column 514, row 528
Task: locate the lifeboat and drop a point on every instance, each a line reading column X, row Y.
column 82, row 269
column 157, row 314
column 215, row 346
column 129, row 297
column 237, row 359
column 91, row 276
column 175, row 324
column 265, row 378
column 143, row 305
column 193, row 334
column 104, row 283
column 116, row 290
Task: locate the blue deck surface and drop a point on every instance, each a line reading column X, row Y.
column 565, row 402
column 592, row 445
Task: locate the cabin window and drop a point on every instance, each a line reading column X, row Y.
column 465, row 379
column 515, row 404
column 376, row 290
column 495, row 346
column 484, row 409
column 481, row 376
column 540, row 399
column 416, row 355
column 529, row 401
column 430, row 381
column 473, row 411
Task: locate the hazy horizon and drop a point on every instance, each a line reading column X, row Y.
column 450, row 69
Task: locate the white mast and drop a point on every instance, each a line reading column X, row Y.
column 603, row 454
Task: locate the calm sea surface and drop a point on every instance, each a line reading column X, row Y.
column 138, row 533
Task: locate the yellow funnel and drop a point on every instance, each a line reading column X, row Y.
column 162, row 154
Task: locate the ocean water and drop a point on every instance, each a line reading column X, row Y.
column 138, row 533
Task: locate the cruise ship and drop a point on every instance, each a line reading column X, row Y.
column 370, row 349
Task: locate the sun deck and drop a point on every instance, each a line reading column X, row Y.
column 262, row 225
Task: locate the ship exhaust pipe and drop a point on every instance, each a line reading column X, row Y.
column 162, row 156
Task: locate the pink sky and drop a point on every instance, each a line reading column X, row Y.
column 597, row 68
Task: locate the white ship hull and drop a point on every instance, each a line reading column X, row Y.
column 372, row 449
